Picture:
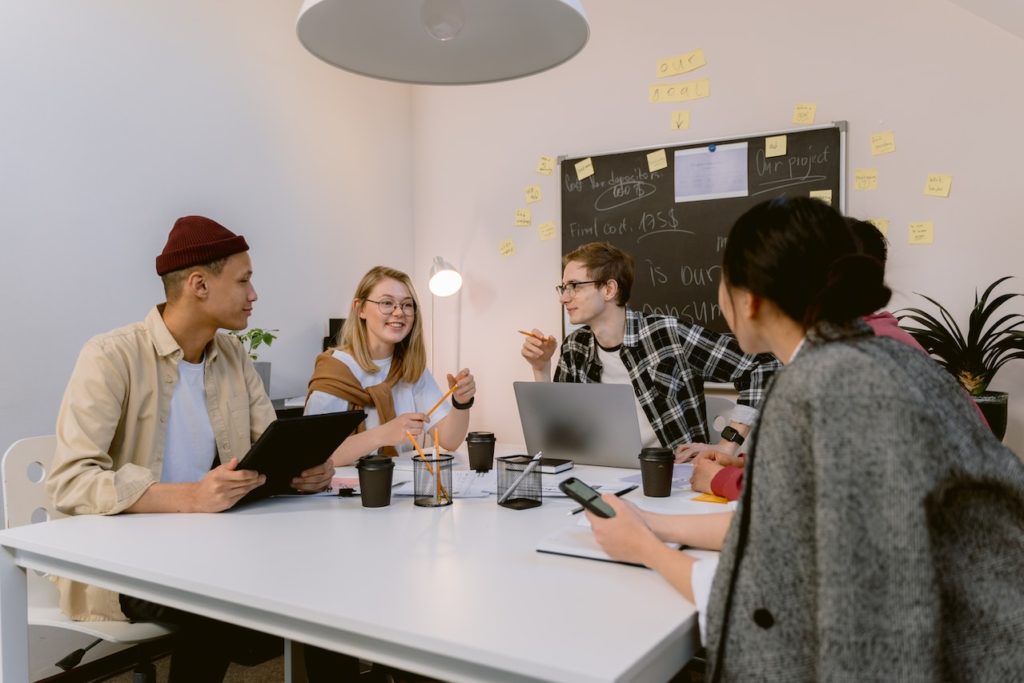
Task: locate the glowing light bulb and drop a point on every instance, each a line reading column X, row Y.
column 443, row 19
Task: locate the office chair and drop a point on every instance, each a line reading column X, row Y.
column 23, row 471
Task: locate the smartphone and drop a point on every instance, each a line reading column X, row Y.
column 587, row 497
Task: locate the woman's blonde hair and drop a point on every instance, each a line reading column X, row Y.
column 410, row 356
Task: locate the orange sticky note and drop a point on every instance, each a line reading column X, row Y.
column 546, row 165
column 709, row 498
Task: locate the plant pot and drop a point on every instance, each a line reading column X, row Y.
column 993, row 406
column 263, row 370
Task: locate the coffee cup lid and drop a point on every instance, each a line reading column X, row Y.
column 375, row 461
column 657, row 454
column 480, row 436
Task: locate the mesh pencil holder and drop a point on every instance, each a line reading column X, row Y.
column 432, row 480
column 527, row 493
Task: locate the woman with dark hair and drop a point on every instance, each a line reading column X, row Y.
column 879, row 532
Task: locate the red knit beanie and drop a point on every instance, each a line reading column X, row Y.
column 195, row 240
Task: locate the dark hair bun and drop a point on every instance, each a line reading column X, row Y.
column 854, row 287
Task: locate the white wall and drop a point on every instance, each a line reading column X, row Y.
column 926, row 69
column 118, row 116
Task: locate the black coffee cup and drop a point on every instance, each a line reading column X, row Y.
column 481, row 450
column 656, row 471
column 375, row 473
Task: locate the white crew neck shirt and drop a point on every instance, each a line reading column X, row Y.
column 613, row 371
column 189, row 446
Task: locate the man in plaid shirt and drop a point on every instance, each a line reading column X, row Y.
column 666, row 361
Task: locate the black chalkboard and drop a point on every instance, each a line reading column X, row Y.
column 678, row 245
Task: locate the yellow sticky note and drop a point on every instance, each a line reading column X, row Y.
column 921, row 233
column 546, row 165
column 823, row 195
column 680, row 92
column 865, row 179
column 883, row 143
column 938, row 185
column 584, row 169
column 680, row 120
column 709, row 498
column 523, row 218
column 657, row 161
column 532, row 194
column 804, row 112
column 546, row 230
column 680, row 64
column 775, row 146
column 882, row 224
column 507, row 248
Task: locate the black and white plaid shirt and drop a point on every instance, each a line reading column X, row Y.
column 668, row 362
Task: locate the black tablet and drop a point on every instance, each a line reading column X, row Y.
column 293, row 444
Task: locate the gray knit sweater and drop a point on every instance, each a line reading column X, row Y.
column 880, row 534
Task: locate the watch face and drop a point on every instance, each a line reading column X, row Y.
column 731, row 434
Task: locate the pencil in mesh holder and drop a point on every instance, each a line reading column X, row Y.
column 432, row 480
column 527, row 493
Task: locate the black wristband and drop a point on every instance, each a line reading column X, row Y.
column 463, row 406
column 730, row 434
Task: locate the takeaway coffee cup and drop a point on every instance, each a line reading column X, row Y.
column 656, row 471
column 481, row 450
column 375, row 473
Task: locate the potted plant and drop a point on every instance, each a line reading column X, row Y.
column 252, row 339
column 973, row 359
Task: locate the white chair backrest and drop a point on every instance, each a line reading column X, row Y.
column 718, row 410
column 24, row 469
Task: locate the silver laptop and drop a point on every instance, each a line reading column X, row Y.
column 591, row 424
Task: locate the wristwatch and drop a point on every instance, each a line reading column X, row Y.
column 730, row 434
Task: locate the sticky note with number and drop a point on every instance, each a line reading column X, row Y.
column 804, row 112
column 775, row 146
column 546, row 230
column 823, row 195
column 584, row 169
column 883, row 143
column 532, row 194
column 865, row 179
column 680, row 120
column 507, row 248
column 882, row 224
column 546, row 165
column 656, row 161
column 523, row 218
column 921, row 233
column 680, row 64
column 938, row 185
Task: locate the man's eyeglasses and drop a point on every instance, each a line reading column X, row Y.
column 570, row 287
column 387, row 306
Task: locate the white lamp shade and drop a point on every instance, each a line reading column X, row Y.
column 444, row 279
column 443, row 42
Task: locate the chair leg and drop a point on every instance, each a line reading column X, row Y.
column 144, row 672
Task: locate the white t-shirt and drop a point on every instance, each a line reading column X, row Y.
column 409, row 398
column 614, row 372
column 190, row 447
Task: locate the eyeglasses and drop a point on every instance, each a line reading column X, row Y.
column 570, row 287
column 387, row 306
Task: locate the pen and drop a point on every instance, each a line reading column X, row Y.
column 620, row 494
column 529, row 468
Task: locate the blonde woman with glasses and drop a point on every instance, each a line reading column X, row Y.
column 380, row 366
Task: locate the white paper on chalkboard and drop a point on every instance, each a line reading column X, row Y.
column 713, row 172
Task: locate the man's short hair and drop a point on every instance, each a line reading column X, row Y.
column 174, row 281
column 604, row 262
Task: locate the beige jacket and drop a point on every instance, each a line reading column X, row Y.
column 113, row 422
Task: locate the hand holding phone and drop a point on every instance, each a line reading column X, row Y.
column 586, row 496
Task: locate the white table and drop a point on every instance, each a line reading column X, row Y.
column 457, row 592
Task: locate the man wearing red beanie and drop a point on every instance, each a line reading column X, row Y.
column 155, row 418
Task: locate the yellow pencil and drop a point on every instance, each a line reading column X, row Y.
column 438, row 404
column 531, row 334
